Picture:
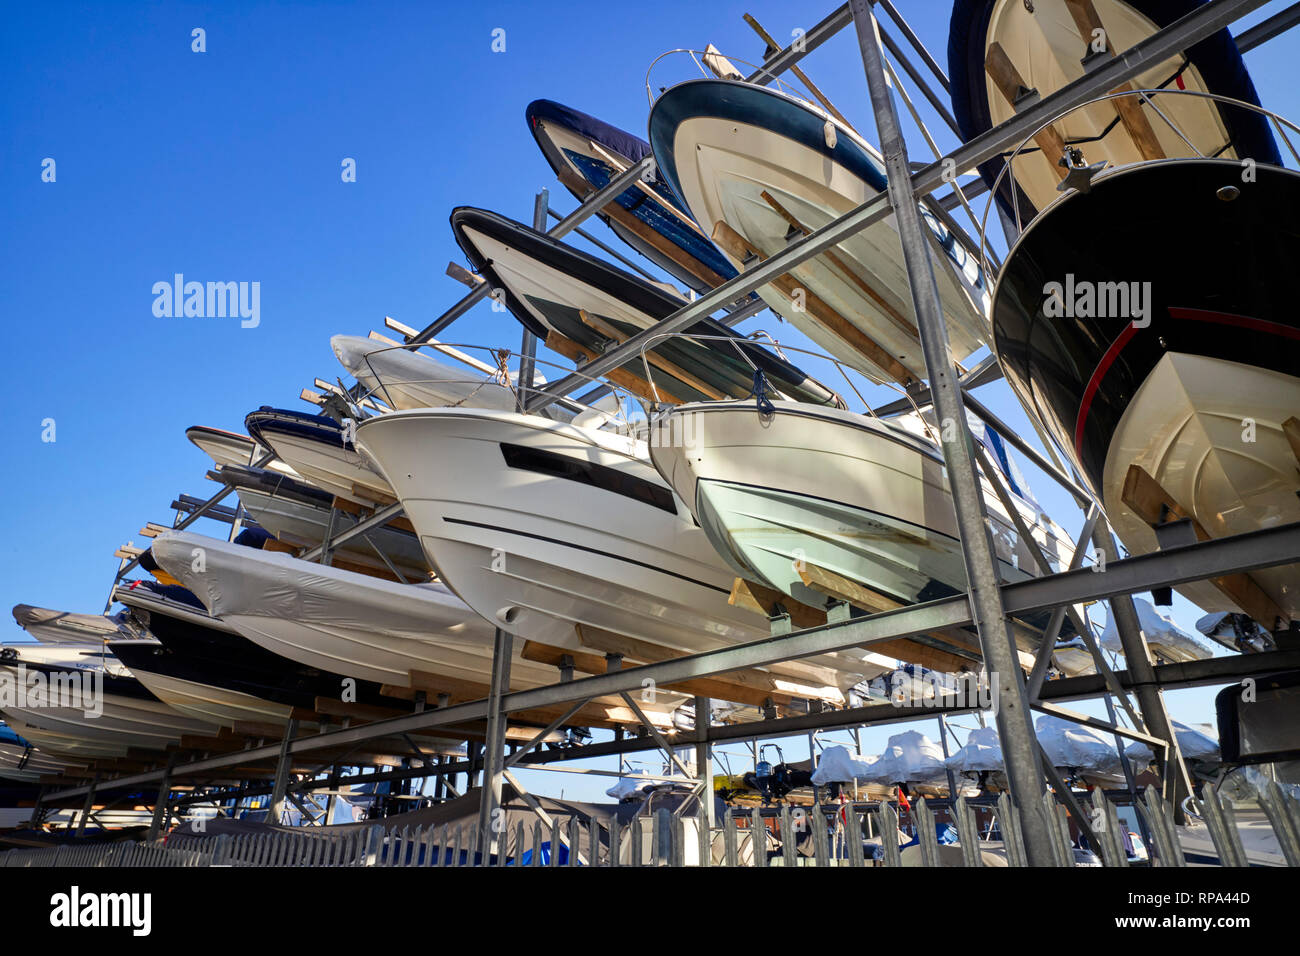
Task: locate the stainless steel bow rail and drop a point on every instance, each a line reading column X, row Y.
column 1029, row 817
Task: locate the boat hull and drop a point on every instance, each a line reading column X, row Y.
column 723, row 145
column 837, row 490
column 546, row 528
column 588, row 153
column 1044, row 46
column 319, row 452
column 1194, row 385
column 131, row 718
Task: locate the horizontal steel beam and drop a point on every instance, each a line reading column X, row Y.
column 1193, row 562
column 1266, row 30
column 1203, row 673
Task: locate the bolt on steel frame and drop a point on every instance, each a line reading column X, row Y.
column 989, row 602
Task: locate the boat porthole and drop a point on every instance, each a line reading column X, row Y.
column 1228, row 193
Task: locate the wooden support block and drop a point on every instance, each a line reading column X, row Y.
column 721, row 688
column 735, row 245
column 595, row 713
column 254, row 728
column 1150, row 502
column 768, row 602
column 767, row 680
column 873, row 602
column 213, row 744
column 274, row 544
column 1009, row 82
column 1087, row 20
column 621, row 377
column 399, row 328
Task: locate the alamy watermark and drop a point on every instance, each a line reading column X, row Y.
column 1083, row 299
column 210, row 300
column 83, row 690
column 977, row 690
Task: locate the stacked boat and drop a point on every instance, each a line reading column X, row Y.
column 709, row 489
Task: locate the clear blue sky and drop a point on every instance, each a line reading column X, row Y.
column 225, row 165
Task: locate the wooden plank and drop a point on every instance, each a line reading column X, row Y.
column 716, row 687
column 1150, row 502
column 873, row 602
column 765, row 601
column 735, row 245
column 645, row 652
column 600, row 712
column 622, row 377
column 904, row 324
column 1086, row 20
column 658, row 361
column 1009, row 82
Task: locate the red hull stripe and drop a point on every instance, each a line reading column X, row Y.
column 1095, row 382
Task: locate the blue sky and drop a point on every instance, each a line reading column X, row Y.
column 225, row 166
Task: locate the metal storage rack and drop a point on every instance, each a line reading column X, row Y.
column 985, row 607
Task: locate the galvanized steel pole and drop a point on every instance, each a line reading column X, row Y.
column 1151, row 701
column 1019, row 745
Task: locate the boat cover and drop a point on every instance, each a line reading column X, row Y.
column 1077, row 747
column 65, row 627
column 244, row 581
column 1158, row 629
column 909, row 757
column 983, row 752
column 837, row 765
column 1196, row 741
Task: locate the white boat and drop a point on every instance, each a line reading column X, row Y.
column 1196, row 742
column 406, row 378
column 351, row 624
column 105, row 715
column 20, row 762
column 1083, row 752
column 321, row 451
column 864, row 498
column 547, row 528
column 68, row 656
column 231, row 448
column 190, row 685
column 769, row 166
column 65, row 627
column 909, row 758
